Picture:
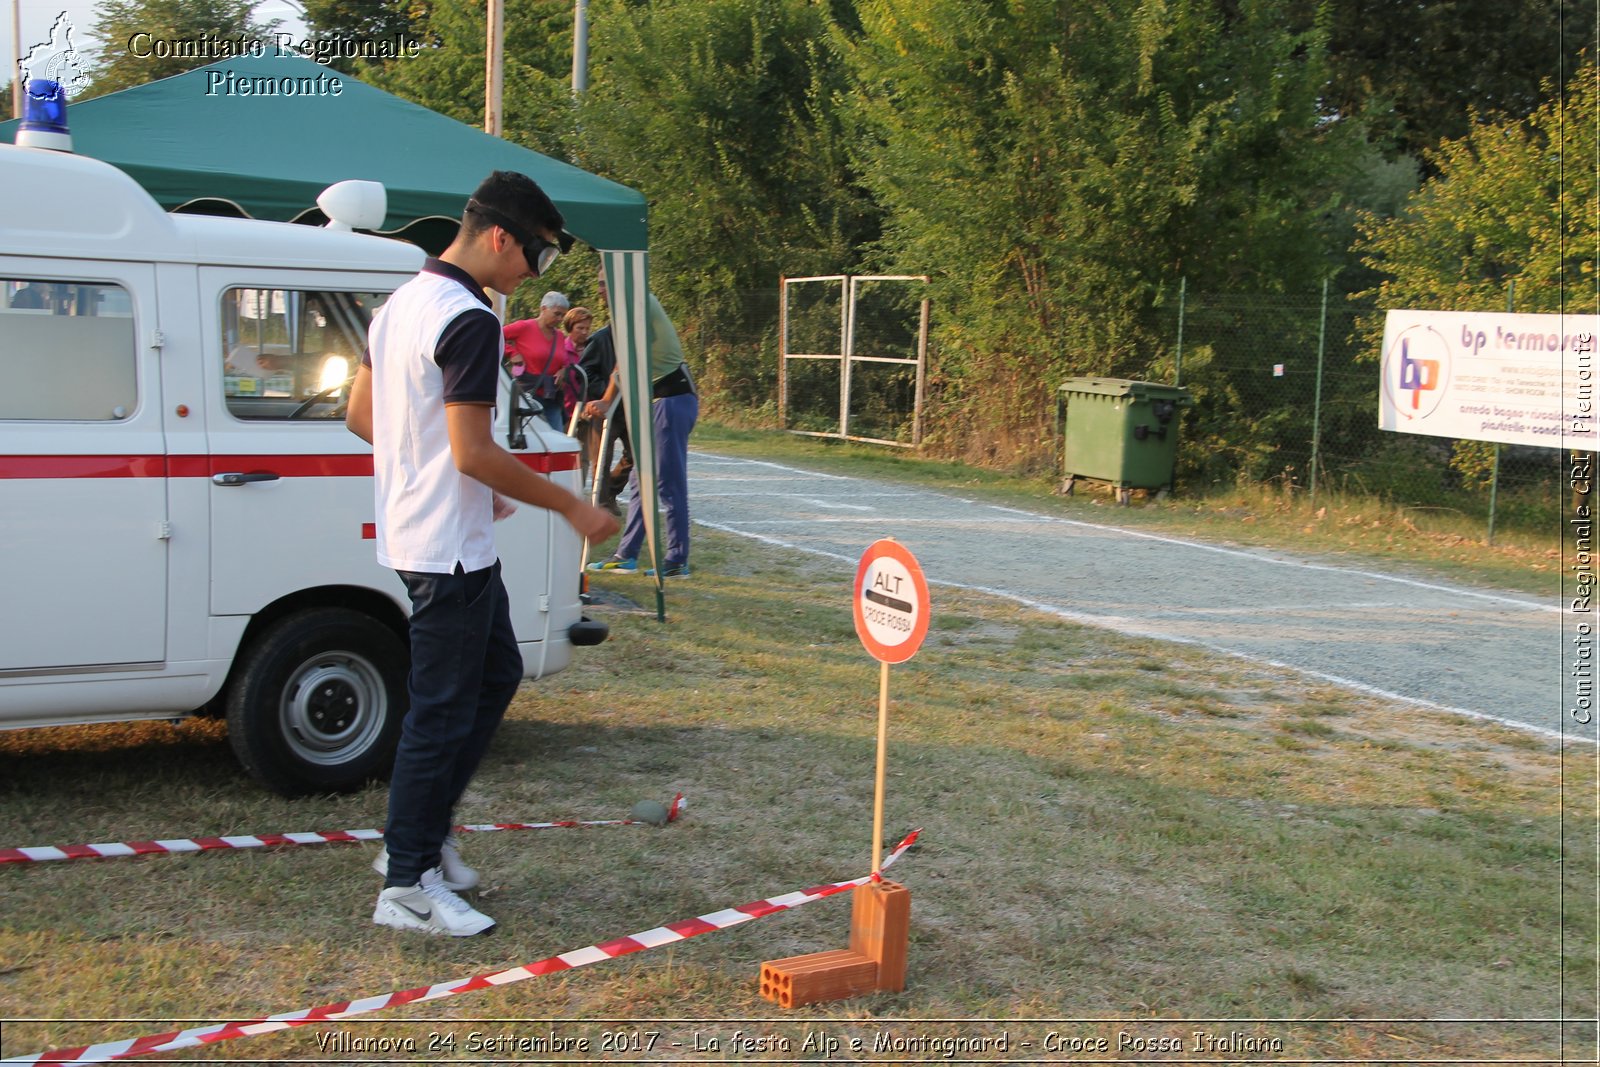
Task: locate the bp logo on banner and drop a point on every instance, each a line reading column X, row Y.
column 1416, row 372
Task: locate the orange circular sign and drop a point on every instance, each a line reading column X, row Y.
column 891, row 602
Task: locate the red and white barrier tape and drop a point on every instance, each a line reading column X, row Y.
column 110, row 850
column 606, row 950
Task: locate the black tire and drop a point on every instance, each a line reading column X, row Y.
column 317, row 700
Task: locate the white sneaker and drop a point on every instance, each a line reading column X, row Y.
column 457, row 875
column 430, row 907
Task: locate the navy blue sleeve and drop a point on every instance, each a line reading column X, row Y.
column 468, row 353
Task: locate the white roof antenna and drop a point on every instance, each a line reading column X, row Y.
column 354, row 205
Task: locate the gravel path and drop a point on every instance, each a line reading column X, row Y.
column 1470, row 652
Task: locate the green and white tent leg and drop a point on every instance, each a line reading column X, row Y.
column 627, row 282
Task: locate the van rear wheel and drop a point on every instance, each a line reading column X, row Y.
column 317, row 703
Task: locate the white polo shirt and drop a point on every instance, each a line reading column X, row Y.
column 436, row 341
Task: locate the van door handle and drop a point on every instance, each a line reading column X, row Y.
column 243, row 479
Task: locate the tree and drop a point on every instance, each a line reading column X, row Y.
column 1511, row 202
column 724, row 113
column 1418, row 72
column 124, row 63
column 448, row 76
column 363, row 20
column 1059, row 167
column 1511, row 209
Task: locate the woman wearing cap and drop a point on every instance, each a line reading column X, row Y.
column 538, row 355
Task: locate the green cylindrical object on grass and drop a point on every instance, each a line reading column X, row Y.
column 651, row 811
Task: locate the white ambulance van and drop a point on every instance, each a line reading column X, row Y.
column 186, row 526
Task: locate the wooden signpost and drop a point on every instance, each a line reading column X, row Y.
column 891, row 608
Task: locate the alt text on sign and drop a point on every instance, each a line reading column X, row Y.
column 890, row 602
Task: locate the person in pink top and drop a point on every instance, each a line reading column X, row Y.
column 538, row 355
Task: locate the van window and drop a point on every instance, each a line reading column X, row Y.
column 66, row 351
column 291, row 353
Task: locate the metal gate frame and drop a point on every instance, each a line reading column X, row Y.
column 849, row 288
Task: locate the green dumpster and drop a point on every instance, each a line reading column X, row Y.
column 1121, row 432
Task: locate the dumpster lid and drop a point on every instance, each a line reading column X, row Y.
column 1125, row 387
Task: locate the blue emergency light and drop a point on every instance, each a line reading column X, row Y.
column 44, row 116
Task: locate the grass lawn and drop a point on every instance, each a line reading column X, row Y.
column 1124, row 841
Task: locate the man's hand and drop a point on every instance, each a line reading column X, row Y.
column 503, row 508
column 593, row 524
column 477, row 455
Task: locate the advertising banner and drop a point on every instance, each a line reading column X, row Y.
column 1515, row 379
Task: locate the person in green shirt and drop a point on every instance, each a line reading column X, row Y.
column 674, row 409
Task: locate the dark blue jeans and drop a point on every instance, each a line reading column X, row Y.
column 465, row 668
column 673, row 418
column 553, row 414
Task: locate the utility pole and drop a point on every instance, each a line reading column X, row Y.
column 580, row 47
column 494, row 71
column 16, row 57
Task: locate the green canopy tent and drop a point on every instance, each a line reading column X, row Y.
column 262, row 137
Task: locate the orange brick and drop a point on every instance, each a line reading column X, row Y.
column 880, row 929
column 802, row 980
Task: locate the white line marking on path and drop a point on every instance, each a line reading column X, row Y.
column 1321, row 607
column 775, row 542
column 1257, row 557
column 902, row 520
column 1302, row 564
column 1132, row 629
column 774, row 466
column 742, row 494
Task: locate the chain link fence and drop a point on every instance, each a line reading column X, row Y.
column 1285, row 395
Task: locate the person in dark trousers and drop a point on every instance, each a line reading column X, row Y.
column 674, row 409
column 595, row 431
column 424, row 397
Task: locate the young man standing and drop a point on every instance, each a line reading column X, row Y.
column 424, row 398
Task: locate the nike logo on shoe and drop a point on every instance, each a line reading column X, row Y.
column 430, row 907
column 425, row 916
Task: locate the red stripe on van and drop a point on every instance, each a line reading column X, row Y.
column 319, row 466
column 323, row 466
column 83, row 466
